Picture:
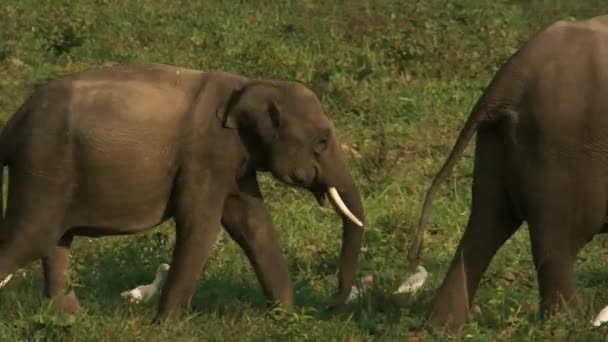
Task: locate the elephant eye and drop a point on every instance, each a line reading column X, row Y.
column 322, row 144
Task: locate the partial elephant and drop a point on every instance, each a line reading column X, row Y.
column 541, row 156
column 120, row 149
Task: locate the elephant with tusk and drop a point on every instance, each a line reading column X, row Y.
column 120, row 149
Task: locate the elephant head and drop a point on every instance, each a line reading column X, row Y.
column 286, row 133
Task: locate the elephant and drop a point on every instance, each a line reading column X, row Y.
column 541, row 157
column 117, row 150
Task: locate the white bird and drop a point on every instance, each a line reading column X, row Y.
column 143, row 293
column 414, row 282
column 357, row 292
column 601, row 318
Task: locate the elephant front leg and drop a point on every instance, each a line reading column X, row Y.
column 55, row 266
column 197, row 223
column 249, row 224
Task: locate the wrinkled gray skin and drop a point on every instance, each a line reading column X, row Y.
column 541, row 157
column 121, row 149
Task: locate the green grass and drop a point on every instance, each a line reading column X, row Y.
column 398, row 78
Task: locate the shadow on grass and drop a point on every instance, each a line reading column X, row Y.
column 103, row 269
column 228, row 293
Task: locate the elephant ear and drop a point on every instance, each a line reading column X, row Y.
column 253, row 107
column 226, row 113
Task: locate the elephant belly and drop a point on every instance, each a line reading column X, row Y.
column 125, row 144
column 121, row 200
column 123, row 186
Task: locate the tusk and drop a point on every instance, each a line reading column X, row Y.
column 6, row 280
column 333, row 194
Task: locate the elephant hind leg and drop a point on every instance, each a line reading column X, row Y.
column 554, row 263
column 25, row 241
column 492, row 222
column 556, row 238
column 55, row 265
column 27, row 237
column 564, row 211
column 33, row 223
column 490, row 225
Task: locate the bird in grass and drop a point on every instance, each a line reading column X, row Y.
column 601, row 318
column 143, row 293
column 414, row 282
column 356, row 292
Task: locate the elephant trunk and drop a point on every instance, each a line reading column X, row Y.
column 346, row 201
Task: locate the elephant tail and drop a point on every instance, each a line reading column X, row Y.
column 3, row 163
column 505, row 88
column 4, row 149
column 465, row 135
column 6, row 137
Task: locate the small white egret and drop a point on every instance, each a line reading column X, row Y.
column 414, row 282
column 357, row 292
column 143, row 293
column 601, row 318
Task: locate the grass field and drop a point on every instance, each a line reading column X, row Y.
column 398, row 78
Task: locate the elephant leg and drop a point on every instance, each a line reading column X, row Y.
column 55, row 267
column 554, row 262
column 247, row 221
column 490, row 224
column 31, row 226
column 14, row 253
column 197, row 224
column 486, row 232
column 566, row 209
column 554, row 250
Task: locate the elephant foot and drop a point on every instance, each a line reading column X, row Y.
column 163, row 318
column 558, row 306
column 449, row 320
column 449, row 311
column 338, row 301
column 173, row 313
column 283, row 304
column 65, row 303
column 158, row 319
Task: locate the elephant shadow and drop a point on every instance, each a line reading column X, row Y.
column 226, row 293
column 132, row 261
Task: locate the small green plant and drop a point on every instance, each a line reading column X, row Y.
column 62, row 34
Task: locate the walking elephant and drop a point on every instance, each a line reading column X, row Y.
column 541, row 156
column 120, row 149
